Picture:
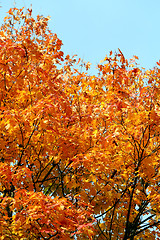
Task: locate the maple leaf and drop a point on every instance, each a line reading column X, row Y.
column 79, row 154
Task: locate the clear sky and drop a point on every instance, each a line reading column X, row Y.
column 92, row 28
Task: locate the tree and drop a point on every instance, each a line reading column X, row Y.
column 79, row 153
column 33, row 107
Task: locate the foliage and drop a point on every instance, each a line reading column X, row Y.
column 79, row 153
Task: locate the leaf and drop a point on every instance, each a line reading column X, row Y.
column 79, row 153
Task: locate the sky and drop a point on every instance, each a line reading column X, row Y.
column 92, row 28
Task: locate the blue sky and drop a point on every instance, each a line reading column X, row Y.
column 92, row 28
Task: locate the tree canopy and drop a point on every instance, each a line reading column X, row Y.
column 79, row 153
